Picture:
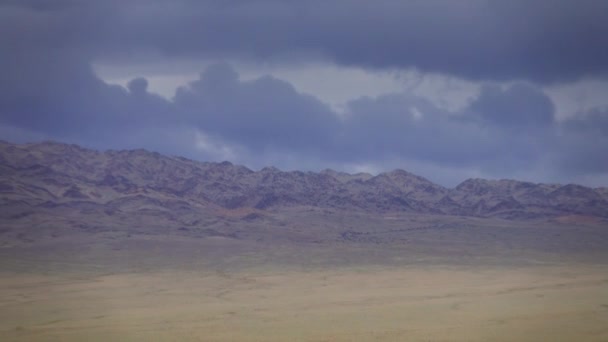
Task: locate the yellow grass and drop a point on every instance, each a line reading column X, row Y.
column 381, row 304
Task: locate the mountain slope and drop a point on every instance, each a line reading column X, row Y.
column 54, row 175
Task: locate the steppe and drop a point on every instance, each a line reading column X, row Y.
column 141, row 247
column 511, row 283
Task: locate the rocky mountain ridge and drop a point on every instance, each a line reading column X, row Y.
column 50, row 174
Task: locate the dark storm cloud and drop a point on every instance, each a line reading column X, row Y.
column 501, row 132
column 63, row 99
column 48, row 87
column 50, row 92
column 59, row 94
column 545, row 40
column 518, row 105
column 263, row 113
column 583, row 144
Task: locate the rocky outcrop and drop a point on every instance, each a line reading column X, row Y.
column 50, row 173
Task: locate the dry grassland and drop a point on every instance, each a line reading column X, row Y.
column 437, row 303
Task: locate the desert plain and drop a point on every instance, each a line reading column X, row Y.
column 448, row 279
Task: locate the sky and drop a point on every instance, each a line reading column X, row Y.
column 445, row 89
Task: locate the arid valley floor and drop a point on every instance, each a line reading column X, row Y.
column 447, row 279
column 136, row 246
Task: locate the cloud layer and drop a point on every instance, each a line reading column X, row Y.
column 48, row 88
column 510, row 131
column 541, row 41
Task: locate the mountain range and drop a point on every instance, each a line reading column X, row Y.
column 52, row 177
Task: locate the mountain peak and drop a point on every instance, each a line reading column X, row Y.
column 345, row 176
column 270, row 169
column 58, row 174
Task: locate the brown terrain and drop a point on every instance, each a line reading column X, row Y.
column 135, row 245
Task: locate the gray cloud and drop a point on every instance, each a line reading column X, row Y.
column 502, row 132
column 518, row 105
column 265, row 113
column 583, row 144
column 59, row 94
column 48, row 88
column 498, row 131
column 542, row 41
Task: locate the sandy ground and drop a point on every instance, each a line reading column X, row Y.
column 382, row 304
